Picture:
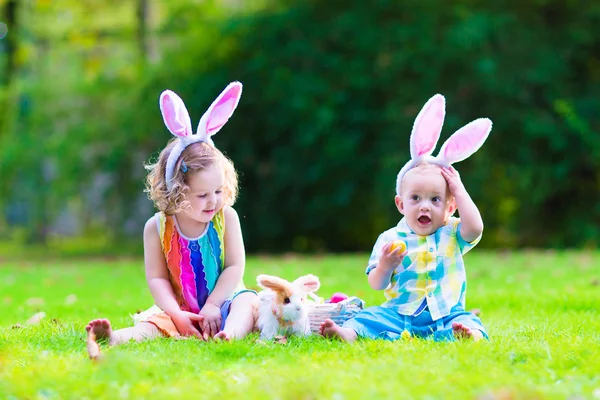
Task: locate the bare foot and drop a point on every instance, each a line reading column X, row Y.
column 222, row 335
column 464, row 332
column 330, row 329
column 100, row 328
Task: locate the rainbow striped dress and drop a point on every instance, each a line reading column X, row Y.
column 194, row 266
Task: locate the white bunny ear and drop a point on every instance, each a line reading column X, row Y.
column 274, row 283
column 175, row 114
column 308, row 283
column 465, row 141
column 220, row 110
column 427, row 127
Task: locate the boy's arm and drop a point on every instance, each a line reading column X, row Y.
column 379, row 275
column 235, row 260
column 471, row 223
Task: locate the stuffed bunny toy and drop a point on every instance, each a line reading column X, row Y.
column 282, row 309
column 426, row 133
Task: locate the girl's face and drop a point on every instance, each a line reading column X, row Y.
column 206, row 194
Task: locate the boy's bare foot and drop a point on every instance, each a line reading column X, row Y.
column 222, row 335
column 101, row 329
column 330, row 329
column 461, row 331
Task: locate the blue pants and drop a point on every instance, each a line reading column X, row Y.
column 385, row 323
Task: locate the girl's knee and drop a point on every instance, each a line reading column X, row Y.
column 246, row 299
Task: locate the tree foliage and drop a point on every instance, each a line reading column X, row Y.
column 331, row 90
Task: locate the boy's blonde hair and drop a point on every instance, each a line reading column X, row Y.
column 423, row 167
column 197, row 157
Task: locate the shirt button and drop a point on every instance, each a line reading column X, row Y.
column 429, row 294
column 431, row 249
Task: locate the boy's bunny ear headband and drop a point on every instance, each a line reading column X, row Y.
column 178, row 121
column 426, row 132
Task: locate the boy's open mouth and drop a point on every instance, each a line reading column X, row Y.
column 424, row 219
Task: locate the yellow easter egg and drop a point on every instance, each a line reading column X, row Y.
column 398, row 244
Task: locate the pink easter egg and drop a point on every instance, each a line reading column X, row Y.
column 337, row 297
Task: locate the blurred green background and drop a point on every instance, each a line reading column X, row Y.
column 331, row 89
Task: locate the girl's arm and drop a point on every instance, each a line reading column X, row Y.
column 235, row 260
column 230, row 278
column 156, row 270
column 158, row 281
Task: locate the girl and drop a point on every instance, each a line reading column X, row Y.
column 193, row 247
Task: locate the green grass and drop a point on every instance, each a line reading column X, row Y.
column 540, row 309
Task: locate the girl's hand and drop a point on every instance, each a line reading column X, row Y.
column 391, row 259
column 212, row 320
column 184, row 322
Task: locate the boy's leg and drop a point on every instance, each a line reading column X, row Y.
column 461, row 331
column 330, row 329
column 462, row 325
column 373, row 323
column 240, row 319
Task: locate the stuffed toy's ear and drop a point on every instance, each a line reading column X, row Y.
column 272, row 282
column 427, row 127
column 175, row 114
column 220, row 110
column 465, row 141
column 308, row 283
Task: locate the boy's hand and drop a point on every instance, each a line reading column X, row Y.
column 471, row 225
column 184, row 322
column 212, row 320
column 390, row 259
column 453, row 179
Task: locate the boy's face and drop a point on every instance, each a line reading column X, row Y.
column 425, row 201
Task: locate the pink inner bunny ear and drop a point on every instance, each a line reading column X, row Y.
column 175, row 114
column 427, row 127
column 309, row 283
column 466, row 141
column 220, row 110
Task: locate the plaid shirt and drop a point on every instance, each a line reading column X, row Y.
column 432, row 273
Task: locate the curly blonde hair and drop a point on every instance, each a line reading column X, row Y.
column 197, row 157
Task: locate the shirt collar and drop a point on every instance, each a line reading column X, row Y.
column 403, row 227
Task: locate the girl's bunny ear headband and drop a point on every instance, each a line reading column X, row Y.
column 426, row 132
column 178, row 122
